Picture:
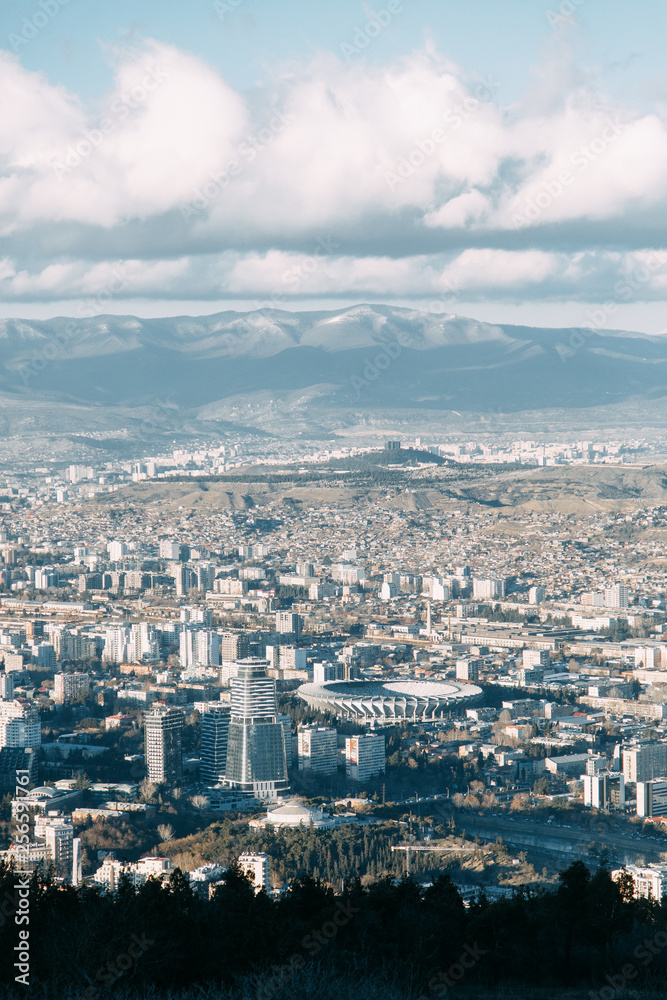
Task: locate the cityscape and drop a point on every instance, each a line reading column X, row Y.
column 333, row 501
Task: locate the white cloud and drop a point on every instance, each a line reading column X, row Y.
column 425, row 181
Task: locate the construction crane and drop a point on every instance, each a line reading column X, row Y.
column 426, row 847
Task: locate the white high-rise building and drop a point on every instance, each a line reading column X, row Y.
column 288, row 622
column 169, row 550
column 129, row 643
column 258, row 869
column 364, row 756
column 19, row 725
column 199, row 648
column 317, row 749
column 116, row 551
column 617, row 596
column 485, row 590
column 536, row 595
column 652, row 797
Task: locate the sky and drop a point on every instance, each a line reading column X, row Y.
column 504, row 161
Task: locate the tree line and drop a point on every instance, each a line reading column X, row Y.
column 589, row 933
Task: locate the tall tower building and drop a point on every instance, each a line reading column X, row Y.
column 214, row 739
column 163, row 727
column 256, row 758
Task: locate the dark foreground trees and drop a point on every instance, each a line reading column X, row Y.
column 588, row 933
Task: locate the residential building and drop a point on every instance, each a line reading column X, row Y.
column 604, row 790
column 650, row 881
column 317, row 749
column 19, row 724
column 70, row 687
column 287, row 622
column 364, row 756
column 163, row 728
column 652, row 797
column 641, row 763
column 258, row 869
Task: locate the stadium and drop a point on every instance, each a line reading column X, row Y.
column 391, row 700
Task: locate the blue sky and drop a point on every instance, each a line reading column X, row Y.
column 420, row 142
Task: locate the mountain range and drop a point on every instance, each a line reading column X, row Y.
column 254, row 368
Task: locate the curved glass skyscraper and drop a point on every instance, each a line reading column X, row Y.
column 256, row 759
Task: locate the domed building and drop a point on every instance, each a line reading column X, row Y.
column 294, row 814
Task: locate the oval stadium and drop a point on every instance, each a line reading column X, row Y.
column 391, row 700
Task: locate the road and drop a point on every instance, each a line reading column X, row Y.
column 562, row 840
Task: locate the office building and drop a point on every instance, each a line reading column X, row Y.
column 536, row 595
column 652, row 797
column 317, row 750
column 650, row 881
column 258, row 869
column 364, row 756
column 641, row 763
column 214, row 738
column 163, row 728
column 69, row 687
column 256, row 755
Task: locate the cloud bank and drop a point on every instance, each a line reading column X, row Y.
column 334, row 179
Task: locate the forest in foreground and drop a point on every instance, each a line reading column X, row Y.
column 392, row 937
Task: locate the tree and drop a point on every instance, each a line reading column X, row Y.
column 166, row 832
